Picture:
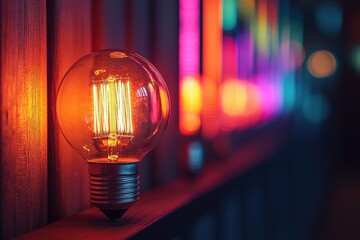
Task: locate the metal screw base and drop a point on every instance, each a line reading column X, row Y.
column 114, row 186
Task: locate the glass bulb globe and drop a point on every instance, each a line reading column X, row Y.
column 112, row 107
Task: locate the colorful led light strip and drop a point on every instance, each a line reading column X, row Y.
column 189, row 67
column 212, row 49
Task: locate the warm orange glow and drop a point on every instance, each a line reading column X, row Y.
column 210, row 110
column 212, row 49
column 253, row 103
column 233, row 98
column 189, row 124
column 112, row 112
column 190, row 105
column 321, row 64
column 241, row 104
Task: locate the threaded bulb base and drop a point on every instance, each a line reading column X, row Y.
column 114, row 186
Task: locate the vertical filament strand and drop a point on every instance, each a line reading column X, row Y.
column 112, row 112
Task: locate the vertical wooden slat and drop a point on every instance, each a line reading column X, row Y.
column 69, row 39
column 110, row 27
column 165, row 52
column 23, row 117
column 97, row 23
column 140, row 35
column 141, row 27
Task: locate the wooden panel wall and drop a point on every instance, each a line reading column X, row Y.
column 23, row 93
column 69, row 32
column 41, row 178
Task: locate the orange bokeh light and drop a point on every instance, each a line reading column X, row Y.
column 240, row 103
column 253, row 103
column 321, row 64
column 212, row 72
column 189, row 124
column 233, row 98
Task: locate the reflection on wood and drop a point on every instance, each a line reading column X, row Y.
column 69, row 26
column 23, row 111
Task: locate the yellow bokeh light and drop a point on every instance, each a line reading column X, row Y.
column 321, row 64
column 191, row 95
column 190, row 105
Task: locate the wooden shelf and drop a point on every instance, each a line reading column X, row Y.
column 166, row 208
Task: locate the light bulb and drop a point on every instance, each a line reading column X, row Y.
column 112, row 107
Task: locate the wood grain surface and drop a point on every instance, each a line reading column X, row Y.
column 23, row 91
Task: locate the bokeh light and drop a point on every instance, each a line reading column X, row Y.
column 190, row 105
column 262, row 31
column 189, row 67
column 315, row 108
column 229, row 15
column 212, row 40
column 240, row 103
column 289, row 91
column 355, row 58
column 329, row 17
column 253, row 106
column 233, row 97
column 292, row 53
column 191, row 95
column 267, row 96
column 195, row 156
column 297, row 53
column 321, row 64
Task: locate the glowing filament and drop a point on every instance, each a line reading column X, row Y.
column 112, row 113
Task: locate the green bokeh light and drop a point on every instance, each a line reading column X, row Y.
column 356, row 58
column 289, row 92
column 229, row 8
